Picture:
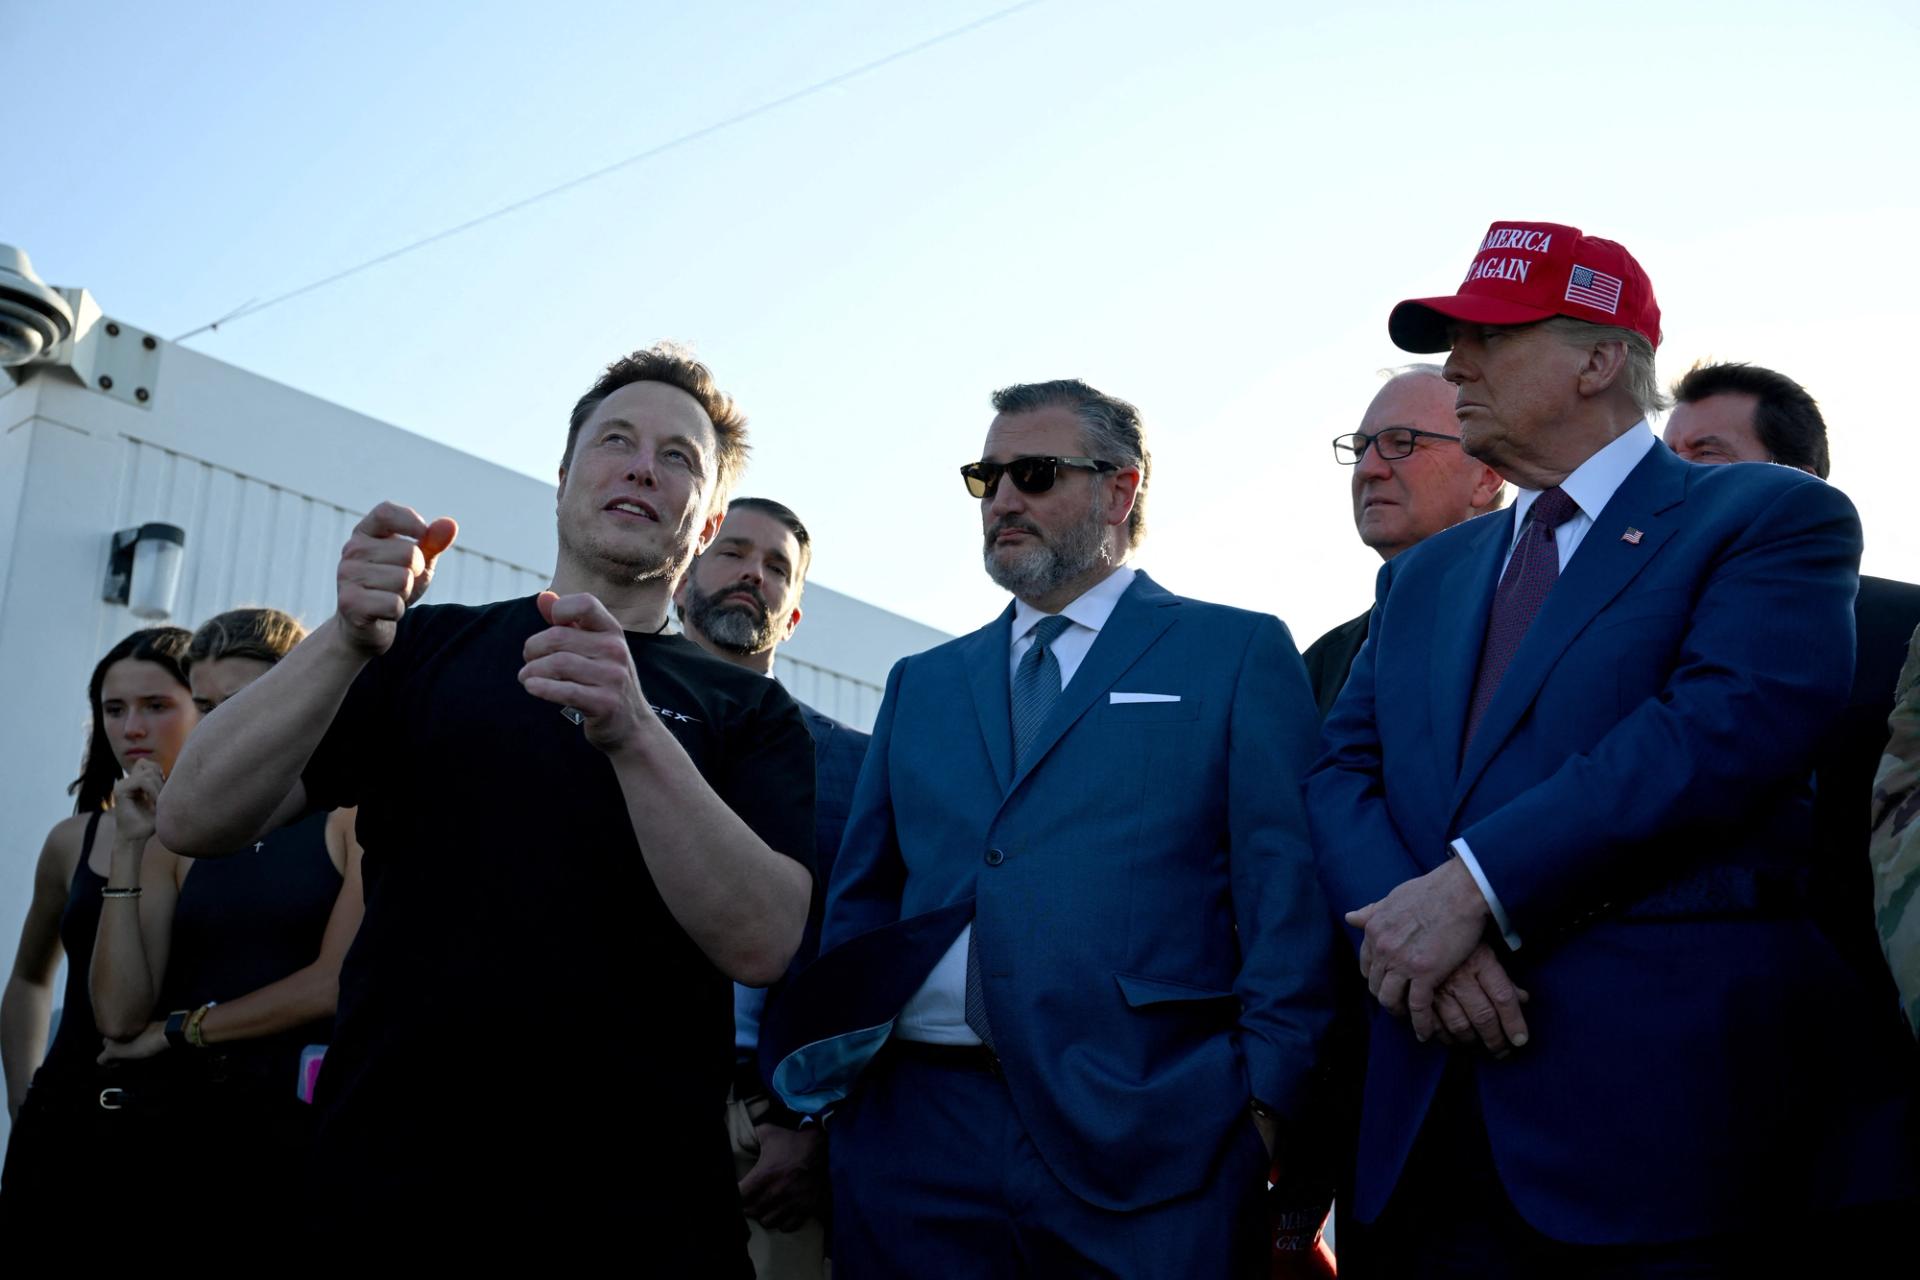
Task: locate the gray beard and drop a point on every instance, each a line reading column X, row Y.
column 1043, row 569
column 732, row 628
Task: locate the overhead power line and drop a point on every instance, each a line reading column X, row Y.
column 255, row 308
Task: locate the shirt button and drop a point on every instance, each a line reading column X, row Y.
column 995, row 857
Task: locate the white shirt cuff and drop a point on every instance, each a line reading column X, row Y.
column 1486, row 891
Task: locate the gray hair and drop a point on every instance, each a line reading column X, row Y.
column 1419, row 366
column 1639, row 379
column 1111, row 427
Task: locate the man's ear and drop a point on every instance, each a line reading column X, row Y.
column 1123, row 486
column 560, row 490
column 1605, row 366
column 793, row 624
column 708, row 530
column 1486, row 490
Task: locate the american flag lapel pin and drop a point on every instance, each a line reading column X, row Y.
column 1632, row 535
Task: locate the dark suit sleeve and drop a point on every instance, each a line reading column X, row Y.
column 1285, row 984
column 838, row 752
column 1357, row 848
column 868, row 875
column 1763, row 669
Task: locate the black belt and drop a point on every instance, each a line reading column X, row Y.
column 956, row 1057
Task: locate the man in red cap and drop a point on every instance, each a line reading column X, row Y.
column 1564, row 809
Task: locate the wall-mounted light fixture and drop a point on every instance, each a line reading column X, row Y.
column 144, row 571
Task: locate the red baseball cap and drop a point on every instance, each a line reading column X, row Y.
column 1528, row 271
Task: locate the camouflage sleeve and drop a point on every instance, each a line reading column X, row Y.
column 1895, row 845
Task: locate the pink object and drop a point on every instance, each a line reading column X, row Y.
column 310, row 1059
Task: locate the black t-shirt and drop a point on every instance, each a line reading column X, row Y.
column 520, row 1015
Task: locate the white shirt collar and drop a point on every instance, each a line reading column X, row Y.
column 1091, row 608
column 1595, row 481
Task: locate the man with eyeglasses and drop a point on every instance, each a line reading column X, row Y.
column 1075, row 967
column 1410, row 480
column 1571, row 763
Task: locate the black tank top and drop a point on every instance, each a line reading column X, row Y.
column 76, row 1044
column 248, row 920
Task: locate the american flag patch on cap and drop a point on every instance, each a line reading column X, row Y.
column 1595, row 289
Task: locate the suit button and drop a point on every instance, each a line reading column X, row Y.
column 995, row 857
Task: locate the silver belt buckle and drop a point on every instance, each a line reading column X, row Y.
column 117, row 1094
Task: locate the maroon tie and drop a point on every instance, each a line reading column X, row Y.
column 1531, row 573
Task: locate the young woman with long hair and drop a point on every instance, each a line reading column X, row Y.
column 142, row 712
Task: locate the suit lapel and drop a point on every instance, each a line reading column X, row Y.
column 1460, row 628
column 1603, row 566
column 1144, row 612
column 986, row 657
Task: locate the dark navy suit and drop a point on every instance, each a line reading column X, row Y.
column 838, row 750
column 1702, row 1061
column 1153, row 940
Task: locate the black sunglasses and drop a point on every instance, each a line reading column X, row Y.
column 1392, row 444
column 1029, row 475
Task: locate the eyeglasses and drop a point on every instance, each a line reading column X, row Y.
column 1389, row 445
column 1029, row 475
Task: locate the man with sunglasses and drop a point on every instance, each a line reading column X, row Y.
column 1410, row 480
column 1075, row 967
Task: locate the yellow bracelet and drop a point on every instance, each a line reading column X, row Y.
column 192, row 1029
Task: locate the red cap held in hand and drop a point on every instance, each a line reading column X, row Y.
column 1528, row 271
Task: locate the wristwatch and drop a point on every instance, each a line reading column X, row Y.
column 177, row 1028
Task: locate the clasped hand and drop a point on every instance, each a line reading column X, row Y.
column 1424, row 960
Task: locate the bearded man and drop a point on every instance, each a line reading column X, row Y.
column 740, row 601
column 1075, row 965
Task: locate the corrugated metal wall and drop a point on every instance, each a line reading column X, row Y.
column 250, row 542
column 851, row 701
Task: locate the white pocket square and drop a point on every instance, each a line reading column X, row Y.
column 1115, row 698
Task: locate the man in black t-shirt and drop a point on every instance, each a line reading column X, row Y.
column 578, row 829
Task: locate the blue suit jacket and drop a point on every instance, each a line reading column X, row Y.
column 1153, row 939
column 1701, row 1060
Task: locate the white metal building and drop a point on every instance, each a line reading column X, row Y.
column 113, row 428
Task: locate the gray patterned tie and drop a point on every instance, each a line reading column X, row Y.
column 1036, row 684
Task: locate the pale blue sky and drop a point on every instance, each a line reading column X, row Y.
column 1207, row 207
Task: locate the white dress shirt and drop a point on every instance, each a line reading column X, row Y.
column 937, row 1013
column 1591, row 486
